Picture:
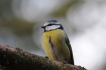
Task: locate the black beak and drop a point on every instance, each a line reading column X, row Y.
column 43, row 27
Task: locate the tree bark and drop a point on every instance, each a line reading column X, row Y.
column 17, row 59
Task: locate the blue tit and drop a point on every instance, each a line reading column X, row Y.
column 56, row 43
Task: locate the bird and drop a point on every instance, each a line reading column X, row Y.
column 56, row 43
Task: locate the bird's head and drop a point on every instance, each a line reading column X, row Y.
column 52, row 25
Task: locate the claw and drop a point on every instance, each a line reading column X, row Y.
column 46, row 57
column 65, row 62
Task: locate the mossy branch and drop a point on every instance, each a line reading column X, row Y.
column 17, row 59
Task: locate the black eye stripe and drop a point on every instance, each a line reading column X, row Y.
column 52, row 24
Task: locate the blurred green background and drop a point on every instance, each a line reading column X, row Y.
column 83, row 20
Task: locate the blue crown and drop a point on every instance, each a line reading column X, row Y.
column 52, row 21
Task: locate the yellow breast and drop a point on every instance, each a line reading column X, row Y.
column 58, row 39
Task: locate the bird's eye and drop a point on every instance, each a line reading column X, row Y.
column 50, row 24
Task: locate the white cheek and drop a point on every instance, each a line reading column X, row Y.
column 52, row 27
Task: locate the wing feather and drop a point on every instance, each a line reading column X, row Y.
column 71, row 52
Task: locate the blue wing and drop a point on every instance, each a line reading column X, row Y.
column 71, row 52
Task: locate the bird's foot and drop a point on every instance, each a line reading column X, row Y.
column 46, row 57
column 65, row 62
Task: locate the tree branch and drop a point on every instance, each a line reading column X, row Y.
column 17, row 59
